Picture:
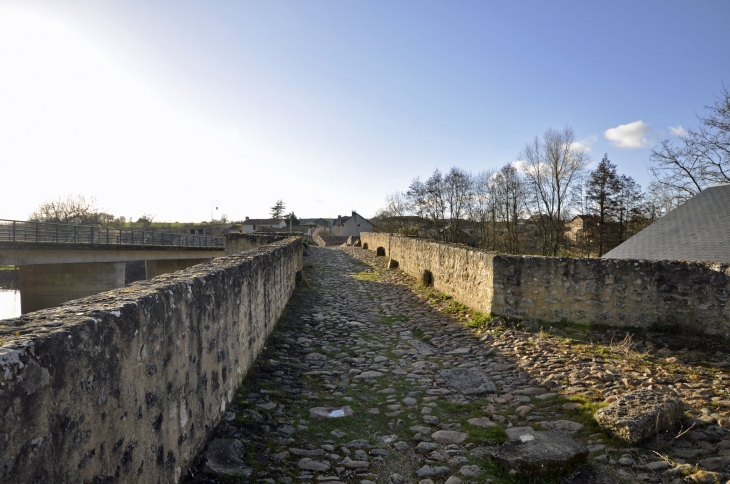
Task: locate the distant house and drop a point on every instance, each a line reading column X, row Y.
column 299, row 229
column 353, row 225
column 260, row 224
column 316, row 222
column 582, row 227
column 461, row 234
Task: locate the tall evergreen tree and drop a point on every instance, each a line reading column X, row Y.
column 277, row 211
column 603, row 188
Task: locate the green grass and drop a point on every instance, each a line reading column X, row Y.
column 585, row 413
column 366, row 276
column 360, row 425
column 485, row 435
column 445, row 303
column 389, row 320
column 462, row 413
column 478, row 320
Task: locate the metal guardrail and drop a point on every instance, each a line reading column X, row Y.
column 20, row 231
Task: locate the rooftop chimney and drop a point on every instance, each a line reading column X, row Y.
column 246, row 218
column 339, row 220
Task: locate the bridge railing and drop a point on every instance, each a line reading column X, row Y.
column 24, row 231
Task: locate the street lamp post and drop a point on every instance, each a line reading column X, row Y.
column 213, row 203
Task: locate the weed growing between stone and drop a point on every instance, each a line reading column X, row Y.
column 389, row 320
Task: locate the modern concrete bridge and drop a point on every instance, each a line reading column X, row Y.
column 60, row 262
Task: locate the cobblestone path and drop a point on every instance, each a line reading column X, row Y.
column 368, row 378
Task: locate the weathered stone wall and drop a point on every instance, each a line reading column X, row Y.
column 607, row 291
column 126, row 385
column 242, row 241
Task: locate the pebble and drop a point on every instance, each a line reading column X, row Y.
column 523, row 410
column 658, row 465
column 470, row 471
column 313, row 465
column 626, row 460
column 425, row 447
column 449, row 436
column 428, row 471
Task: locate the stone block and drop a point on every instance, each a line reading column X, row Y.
column 468, row 381
column 548, row 453
column 639, row 415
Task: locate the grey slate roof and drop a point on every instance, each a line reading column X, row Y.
column 697, row 230
column 262, row 221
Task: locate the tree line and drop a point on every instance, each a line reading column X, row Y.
column 548, row 202
column 81, row 210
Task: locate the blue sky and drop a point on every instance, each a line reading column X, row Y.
column 165, row 107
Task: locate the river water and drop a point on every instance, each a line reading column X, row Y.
column 9, row 303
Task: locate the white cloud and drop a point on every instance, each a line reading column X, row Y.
column 520, row 166
column 677, row 131
column 632, row 135
column 584, row 145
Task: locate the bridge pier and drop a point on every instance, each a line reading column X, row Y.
column 155, row 268
column 47, row 285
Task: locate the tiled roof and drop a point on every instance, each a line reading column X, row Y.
column 262, row 221
column 698, row 230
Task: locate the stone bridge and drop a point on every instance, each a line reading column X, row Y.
column 370, row 376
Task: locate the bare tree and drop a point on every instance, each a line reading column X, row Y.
column 70, row 210
column 457, row 194
column 553, row 166
column 631, row 216
column 700, row 158
column 510, row 193
column 145, row 221
column 393, row 216
column 482, row 209
column 659, row 200
column 427, row 201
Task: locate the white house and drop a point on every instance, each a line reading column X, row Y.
column 257, row 224
column 351, row 225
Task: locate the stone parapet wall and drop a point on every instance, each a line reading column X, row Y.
column 125, row 386
column 330, row 240
column 615, row 292
column 241, row 242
